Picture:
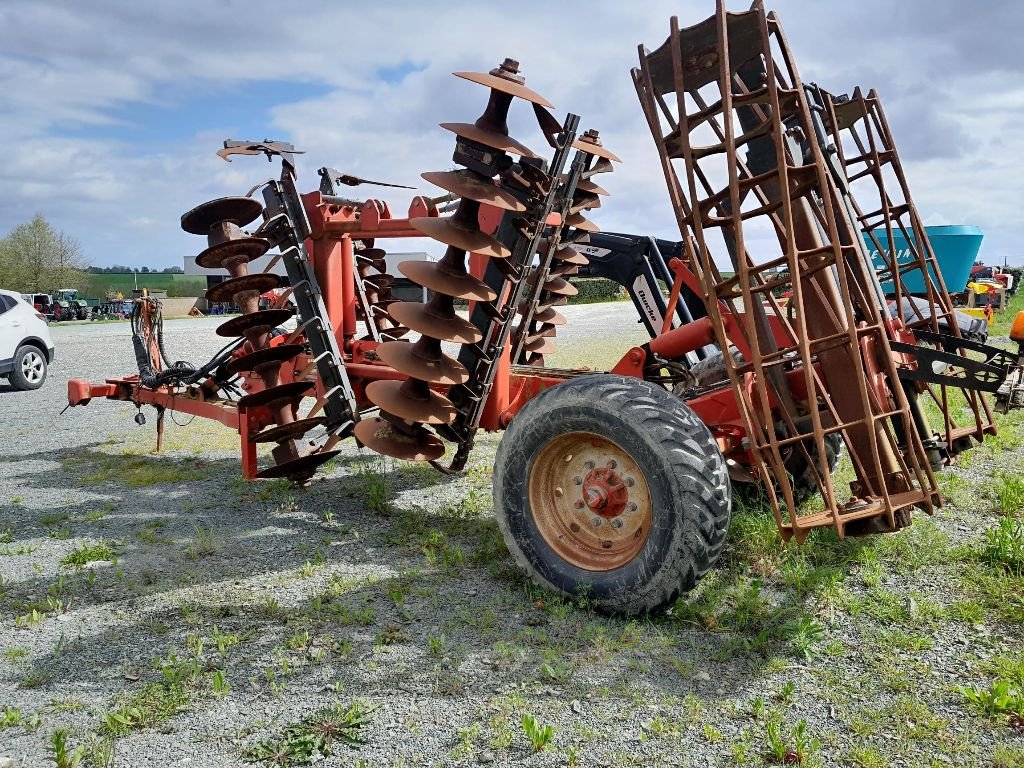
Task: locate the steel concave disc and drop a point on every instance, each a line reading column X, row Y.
column 231, row 252
column 260, row 282
column 293, row 390
column 460, row 285
column 584, row 202
column 595, row 149
column 510, row 87
column 569, row 255
column 541, row 346
column 263, row 320
column 299, row 469
column 579, row 221
column 473, row 186
column 291, row 431
column 279, row 354
column 560, row 287
column 421, row 319
column 586, row 185
column 380, row 436
column 449, row 233
column 543, row 315
column 391, row 397
column 492, row 139
column 239, row 210
column 402, row 356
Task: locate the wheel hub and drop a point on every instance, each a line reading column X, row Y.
column 590, row 501
column 605, row 493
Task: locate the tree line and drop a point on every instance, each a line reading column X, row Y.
column 35, row 257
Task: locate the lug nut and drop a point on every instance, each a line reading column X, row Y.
column 597, row 522
column 631, row 507
column 612, row 464
column 617, row 522
column 577, row 481
column 629, row 482
column 578, row 504
column 589, row 465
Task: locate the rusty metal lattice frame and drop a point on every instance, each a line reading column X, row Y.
column 834, row 331
column 861, row 121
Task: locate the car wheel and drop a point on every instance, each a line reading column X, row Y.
column 29, row 370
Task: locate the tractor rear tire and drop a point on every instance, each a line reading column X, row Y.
column 611, row 489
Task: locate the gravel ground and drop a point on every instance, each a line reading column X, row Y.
column 387, row 584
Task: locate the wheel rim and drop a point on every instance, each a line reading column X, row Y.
column 32, row 367
column 590, row 501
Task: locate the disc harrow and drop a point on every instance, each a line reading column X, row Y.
column 532, row 337
column 408, row 407
column 232, row 249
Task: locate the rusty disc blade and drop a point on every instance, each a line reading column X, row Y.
column 585, row 202
column 462, row 286
column 227, row 254
column 263, row 320
column 560, row 287
column 422, row 320
column 564, row 269
column 492, row 139
column 579, row 221
column 510, row 87
column 569, row 255
column 471, row 240
column 473, row 186
column 603, row 165
column 293, row 390
column 239, row 210
column 586, row 185
column 401, row 356
column 541, row 346
column 550, row 316
column 291, row 431
column 380, row 436
column 596, row 150
column 260, row 282
column 389, row 396
column 299, row 469
column 546, row 330
column 250, row 362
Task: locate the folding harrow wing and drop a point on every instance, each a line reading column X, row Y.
column 757, row 174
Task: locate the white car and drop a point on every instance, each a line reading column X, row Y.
column 26, row 348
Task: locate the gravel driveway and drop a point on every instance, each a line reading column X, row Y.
column 160, row 611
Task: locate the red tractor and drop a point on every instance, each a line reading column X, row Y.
column 614, row 483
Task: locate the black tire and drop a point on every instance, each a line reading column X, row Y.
column 29, row 370
column 686, row 479
column 800, row 472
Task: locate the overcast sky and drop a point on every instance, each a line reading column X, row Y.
column 111, row 111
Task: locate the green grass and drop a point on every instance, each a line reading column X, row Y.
column 313, row 737
column 1004, row 546
column 88, row 552
column 1009, row 490
column 131, row 470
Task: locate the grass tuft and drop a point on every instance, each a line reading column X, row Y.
column 314, row 737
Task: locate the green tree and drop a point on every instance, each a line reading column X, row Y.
column 34, row 257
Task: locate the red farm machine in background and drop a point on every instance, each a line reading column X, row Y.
column 618, row 482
